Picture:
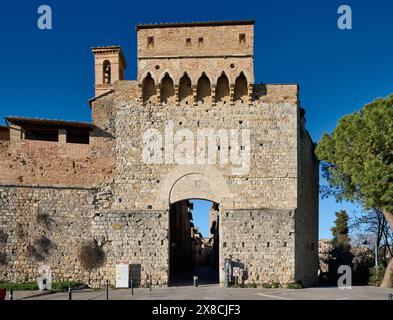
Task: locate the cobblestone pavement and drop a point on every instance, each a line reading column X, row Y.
column 214, row 292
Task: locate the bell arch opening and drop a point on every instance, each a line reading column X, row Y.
column 193, row 242
column 149, row 90
column 185, row 90
column 222, row 90
column 167, row 90
column 241, row 88
column 203, row 89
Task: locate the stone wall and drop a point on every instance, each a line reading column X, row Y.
column 138, row 238
column 262, row 242
column 306, row 249
column 27, row 162
column 28, row 214
column 67, row 218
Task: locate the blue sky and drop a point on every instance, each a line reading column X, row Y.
column 49, row 73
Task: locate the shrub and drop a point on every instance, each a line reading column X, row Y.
column 3, row 237
column 40, row 248
column 19, row 230
column 295, row 285
column 376, row 275
column 33, row 253
column 3, row 259
column 91, row 256
column 44, row 219
column 43, row 244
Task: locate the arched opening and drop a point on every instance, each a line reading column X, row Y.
column 241, row 88
column 107, row 76
column 222, row 90
column 167, row 89
column 185, row 89
column 203, row 89
column 149, row 90
column 194, row 242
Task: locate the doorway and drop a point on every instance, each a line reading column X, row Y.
column 194, row 242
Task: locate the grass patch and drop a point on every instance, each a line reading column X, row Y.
column 63, row 285
column 295, row 285
column 31, row 286
column 23, row 286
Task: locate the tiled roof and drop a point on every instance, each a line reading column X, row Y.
column 48, row 122
column 194, row 24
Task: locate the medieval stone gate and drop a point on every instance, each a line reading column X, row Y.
column 193, row 125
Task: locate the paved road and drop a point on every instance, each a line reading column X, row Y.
column 214, row 292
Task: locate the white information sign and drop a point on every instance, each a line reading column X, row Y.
column 122, row 274
column 236, row 272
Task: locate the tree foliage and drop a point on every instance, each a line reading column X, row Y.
column 357, row 158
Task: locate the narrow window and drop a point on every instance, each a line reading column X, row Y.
column 200, row 41
column 242, row 37
column 188, row 42
column 107, row 72
column 150, row 41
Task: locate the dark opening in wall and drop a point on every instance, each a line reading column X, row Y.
column 242, row 37
column 107, row 74
column 222, row 90
column 167, row 89
column 241, row 88
column 150, row 41
column 4, row 133
column 42, row 134
column 200, row 41
column 203, row 88
column 78, row 136
column 188, row 42
column 185, row 90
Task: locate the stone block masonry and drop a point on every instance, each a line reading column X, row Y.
column 65, row 183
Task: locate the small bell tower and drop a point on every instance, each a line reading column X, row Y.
column 109, row 66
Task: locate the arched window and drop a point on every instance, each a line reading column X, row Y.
column 203, row 88
column 107, row 72
column 149, row 90
column 222, row 90
column 241, row 88
column 167, row 89
column 185, row 90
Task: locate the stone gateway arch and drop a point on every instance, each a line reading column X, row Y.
column 194, row 125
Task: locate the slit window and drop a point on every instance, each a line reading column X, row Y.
column 188, row 42
column 150, row 41
column 242, row 37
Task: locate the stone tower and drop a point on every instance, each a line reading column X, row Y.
column 109, row 66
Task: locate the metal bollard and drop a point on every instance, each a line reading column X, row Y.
column 195, row 281
column 150, row 282
column 11, row 294
column 107, row 290
column 132, row 287
column 69, row 292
